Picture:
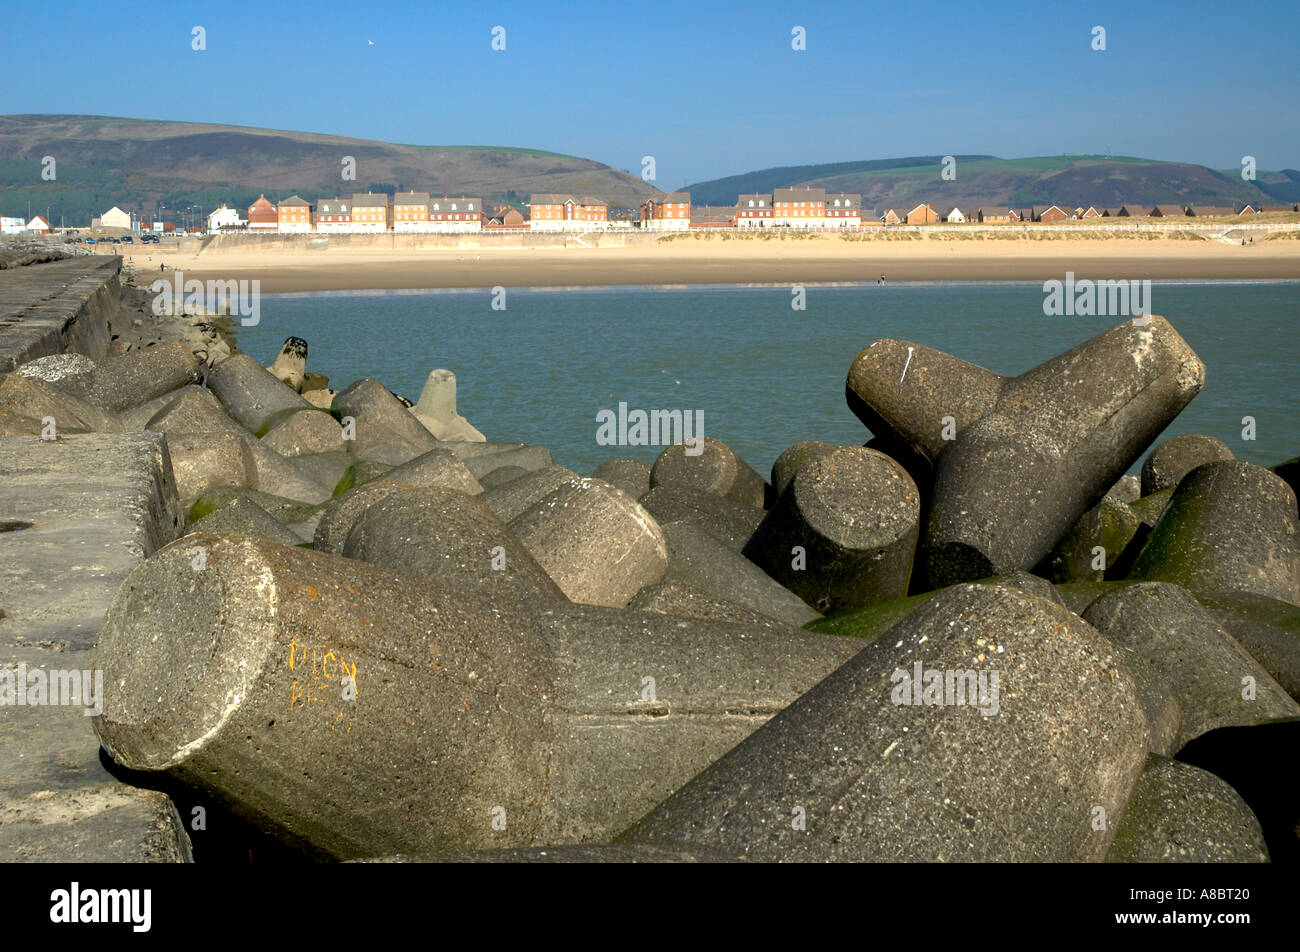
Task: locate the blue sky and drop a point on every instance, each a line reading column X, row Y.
column 708, row 89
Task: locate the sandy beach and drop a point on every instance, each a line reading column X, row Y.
column 713, row 259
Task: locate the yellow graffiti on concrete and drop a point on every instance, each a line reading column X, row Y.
column 323, row 676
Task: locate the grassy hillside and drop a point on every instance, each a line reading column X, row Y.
column 137, row 163
column 986, row 180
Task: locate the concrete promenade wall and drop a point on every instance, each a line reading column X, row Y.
column 76, row 515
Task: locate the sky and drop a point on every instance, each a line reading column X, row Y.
column 707, row 89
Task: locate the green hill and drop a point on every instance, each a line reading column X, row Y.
column 985, row 180
column 137, row 163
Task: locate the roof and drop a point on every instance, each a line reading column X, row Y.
column 370, row 200
column 296, row 200
column 713, row 213
column 1167, row 210
column 1210, row 210
column 799, row 194
column 951, row 210
column 995, row 211
column 848, row 200
column 470, row 201
column 674, row 198
column 591, row 200
column 411, row 198
column 333, row 206
column 551, row 198
column 757, row 197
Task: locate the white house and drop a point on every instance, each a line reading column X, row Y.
column 38, row 226
column 954, row 214
column 115, row 218
column 225, row 217
column 12, row 226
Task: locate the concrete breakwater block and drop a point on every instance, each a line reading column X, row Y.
column 697, row 559
column 630, row 475
column 678, row 598
column 28, row 404
column 436, row 409
column 648, row 701
column 192, row 409
column 128, row 380
column 502, row 475
column 250, row 394
column 597, row 542
column 307, row 431
column 347, row 706
column 729, row 521
column 1096, row 547
column 522, row 492
column 524, row 457
column 903, row 391
column 1267, row 628
column 869, row 766
column 290, row 366
column 205, row 461
column 1230, row 526
column 452, row 537
column 1057, row 438
column 355, row 710
column 789, row 462
column 716, row 468
column 338, row 516
column 1182, row 814
column 385, row 431
column 1174, row 458
column 1213, row 678
column 70, row 373
column 438, row 467
column 844, row 532
column 240, row 515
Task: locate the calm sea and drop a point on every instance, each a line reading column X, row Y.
column 764, row 375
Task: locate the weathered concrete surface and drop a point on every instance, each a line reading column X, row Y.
column 233, row 680
column 57, row 802
column 311, row 431
column 385, row 430
column 1058, row 437
column 716, row 468
column 697, row 559
column 480, row 464
column 436, row 409
column 597, row 542
column 727, row 520
column 789, row 462
column 1182, row 814
column 519, row 494
column 250, row 394
column 243, row 516
column 1230, row 526
column 26, row 404
column 875, row 779
column 902, row 391
column 127, row 380
column 1213, row 678
column 467, row 709
column 56, row 307
column 1174, row 458
column 630, row 475
column 450, row 536
column 644, row 702
column 1266, row 627
column 843, row 534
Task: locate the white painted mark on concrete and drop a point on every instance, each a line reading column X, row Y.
column 906, row 365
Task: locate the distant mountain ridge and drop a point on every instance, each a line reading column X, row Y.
column 103, row 161
column 1074, row 180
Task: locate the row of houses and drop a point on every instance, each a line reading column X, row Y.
column 796, row 207
column 817, row 208
column 409, row 213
